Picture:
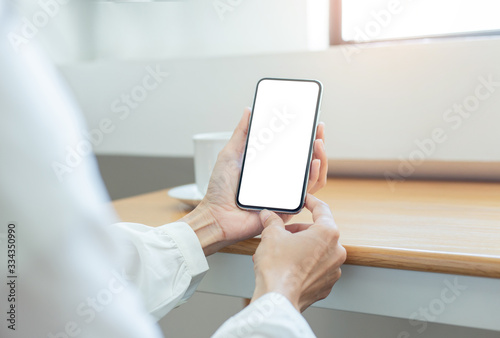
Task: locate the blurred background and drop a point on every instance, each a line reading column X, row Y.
column 393, row 72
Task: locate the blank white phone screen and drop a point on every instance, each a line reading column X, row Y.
column 279, row 141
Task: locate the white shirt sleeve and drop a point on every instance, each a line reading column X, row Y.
column 165, row 263
column 272, row 315
column 66, row 280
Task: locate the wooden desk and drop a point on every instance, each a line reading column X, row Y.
column 446, row 227
column 405, row 248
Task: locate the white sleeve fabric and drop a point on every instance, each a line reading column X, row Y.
column 67, row 277
column 272, row 315
column 165, row 263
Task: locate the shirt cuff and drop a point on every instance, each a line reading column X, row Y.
column 189, row 245
column 272, row 315
column 165, row 263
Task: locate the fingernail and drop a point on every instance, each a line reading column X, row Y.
column 264, row 215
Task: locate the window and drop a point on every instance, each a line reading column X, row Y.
column 353, row 21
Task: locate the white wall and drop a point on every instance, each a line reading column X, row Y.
column 198, row 28
column 376, row 104
column 75, row 30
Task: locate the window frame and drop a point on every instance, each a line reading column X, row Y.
column 335, row 27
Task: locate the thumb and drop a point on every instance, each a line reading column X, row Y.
column 239, row 136
column 269, row 218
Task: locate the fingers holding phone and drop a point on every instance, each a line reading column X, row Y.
column 319, row 164
column 280, row 145
column 274, row 157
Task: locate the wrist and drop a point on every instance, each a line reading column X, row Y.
column 206, row 228
column 276, row 285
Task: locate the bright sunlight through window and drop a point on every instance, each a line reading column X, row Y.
column 372, row 20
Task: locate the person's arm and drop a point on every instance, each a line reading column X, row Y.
column 295, row 266
column 68, row 281
column 218, row 222
column 165, row 263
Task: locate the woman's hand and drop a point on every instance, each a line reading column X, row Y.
column 217, row 220
column 302, row 265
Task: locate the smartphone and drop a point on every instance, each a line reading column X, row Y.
column 278, row 152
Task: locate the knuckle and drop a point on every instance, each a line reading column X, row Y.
column 323, row 204
column 335, row 276
column 332, row 234
column 343, row 254
column 273, row 218
column 324, row 293
column 270, row 222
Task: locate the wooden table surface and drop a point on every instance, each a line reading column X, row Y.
column 435, row 226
